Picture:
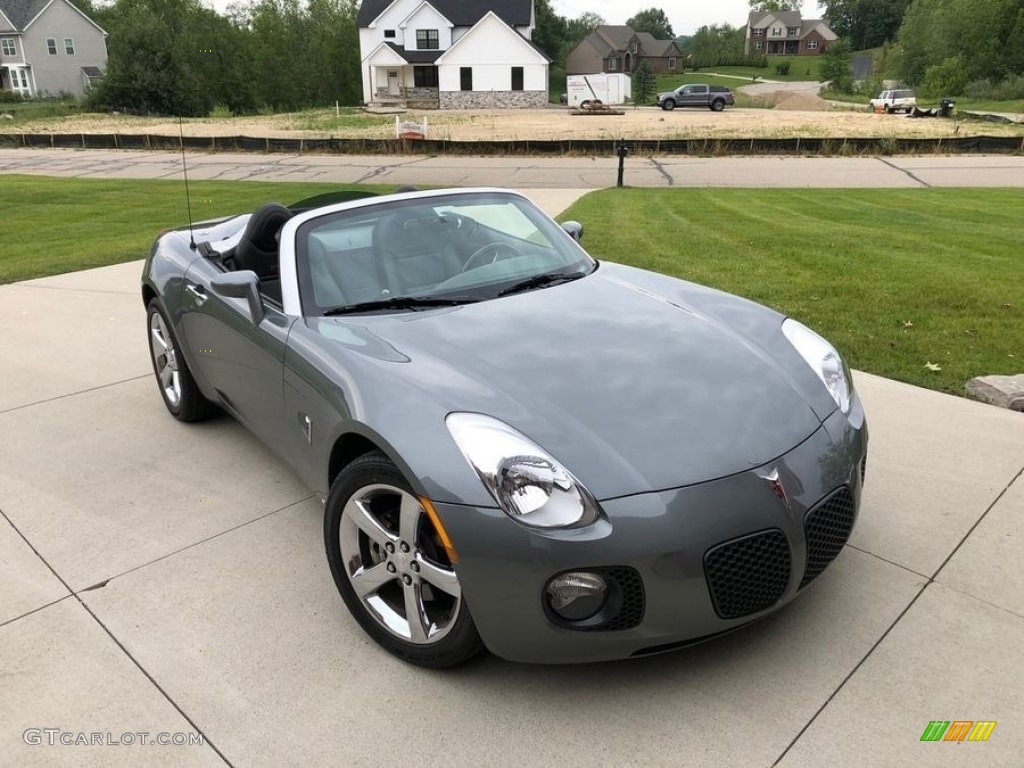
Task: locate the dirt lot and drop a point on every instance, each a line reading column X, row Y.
column 814, row 121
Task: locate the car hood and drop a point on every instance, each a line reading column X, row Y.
column 631, row 391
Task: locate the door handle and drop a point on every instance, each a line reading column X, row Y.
column 197, row 293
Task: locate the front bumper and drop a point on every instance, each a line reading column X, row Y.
column 666, row 537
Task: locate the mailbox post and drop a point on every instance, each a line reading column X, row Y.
column 623, row 150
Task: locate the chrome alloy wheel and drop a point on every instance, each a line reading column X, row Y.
column 396, row 564
column 164, row 359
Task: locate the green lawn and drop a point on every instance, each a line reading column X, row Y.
column 27, row 111
column 54, row 225
column 897, row 279
column 801, row 68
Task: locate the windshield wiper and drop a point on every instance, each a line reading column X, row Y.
column 400, row 302
column 542, row 280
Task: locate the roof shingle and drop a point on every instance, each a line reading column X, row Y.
column 461, row 13
column 21, row 12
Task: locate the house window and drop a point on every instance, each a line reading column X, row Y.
column 812, row 45
column 671, row 62
column 634, row 48
column 389, row 34
column 466, row 78
column 758, row 45
column 8, row 47
column 427, row 40
column 613, row 64
column 793, row 31
column 19, row 81
column 425, row 77
column 758, row 33
column 69, row 46
column 517, row 78
column 776, row 31
column 51, row 46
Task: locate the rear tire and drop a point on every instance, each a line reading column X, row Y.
column 178, row 389
column 718, row 105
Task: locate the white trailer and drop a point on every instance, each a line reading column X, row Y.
column 606, row 88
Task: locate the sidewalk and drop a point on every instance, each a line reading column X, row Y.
column 165, row 578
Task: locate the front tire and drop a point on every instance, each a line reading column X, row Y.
column 668, row 105
column 392, row 569
column 178, row 389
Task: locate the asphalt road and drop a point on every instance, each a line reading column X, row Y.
column 533, row 172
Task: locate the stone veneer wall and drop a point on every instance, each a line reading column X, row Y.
column 422, row 98
column 493, row 99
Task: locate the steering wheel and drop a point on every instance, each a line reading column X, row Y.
column 497, row 249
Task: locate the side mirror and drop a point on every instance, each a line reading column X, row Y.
column 574, row 229
column 241, row 285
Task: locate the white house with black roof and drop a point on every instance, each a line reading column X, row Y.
column 49, row 48
column 451, row 54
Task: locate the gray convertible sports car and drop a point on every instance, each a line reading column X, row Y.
column 518, row 447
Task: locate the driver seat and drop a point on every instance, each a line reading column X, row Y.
column 415, row 249
column 259, row 249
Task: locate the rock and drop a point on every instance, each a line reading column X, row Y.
column 1004, row 391
column 6, row 116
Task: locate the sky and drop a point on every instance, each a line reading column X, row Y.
column 685, row 16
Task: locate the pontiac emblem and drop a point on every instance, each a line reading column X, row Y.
column 775, row 482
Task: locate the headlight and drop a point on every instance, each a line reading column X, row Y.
column 823, row 359
column 528, row 484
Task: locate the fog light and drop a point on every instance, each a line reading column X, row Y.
column 577, row 595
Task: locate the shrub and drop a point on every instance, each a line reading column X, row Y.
column 946, row 79
column 1010, row 89
column 782, row 68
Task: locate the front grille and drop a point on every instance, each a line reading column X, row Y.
column 748, row 574
column 827, row 527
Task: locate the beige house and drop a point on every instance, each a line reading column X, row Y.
column 786, row 33
column 49, row 48
column 620, row 49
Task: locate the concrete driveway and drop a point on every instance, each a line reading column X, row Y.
column 169, row 580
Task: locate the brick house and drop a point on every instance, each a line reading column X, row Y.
column 786, row 33
column 616, row 48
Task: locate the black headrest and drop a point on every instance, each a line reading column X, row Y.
column 265, row 225
column 257, row 249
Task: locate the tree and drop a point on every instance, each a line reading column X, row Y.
column 550, row 30
column 161, row 58
column 654, row 22
column 774, row 5
column 835, row 66
column 643, row 83
column 577, row 29
column 716, row 44
column 866, row 23
column 986, row 33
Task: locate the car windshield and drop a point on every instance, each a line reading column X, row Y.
column 431, row 251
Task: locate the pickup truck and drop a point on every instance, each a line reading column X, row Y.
column 714, row 97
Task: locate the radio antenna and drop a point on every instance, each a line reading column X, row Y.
column 184, row 172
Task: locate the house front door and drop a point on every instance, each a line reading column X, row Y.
column 393, row 89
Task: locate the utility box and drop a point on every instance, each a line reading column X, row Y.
column 607, row 88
